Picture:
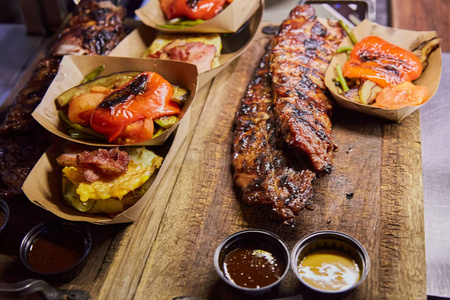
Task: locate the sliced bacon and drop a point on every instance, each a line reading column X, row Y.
column 110, row 162
column 97, row 163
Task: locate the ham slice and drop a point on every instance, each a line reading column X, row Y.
column 197, row 53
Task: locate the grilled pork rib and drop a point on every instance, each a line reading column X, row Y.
column 301, row 53
column 286, row 104
column 261, row 170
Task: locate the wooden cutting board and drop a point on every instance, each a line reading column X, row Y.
column 374, row 194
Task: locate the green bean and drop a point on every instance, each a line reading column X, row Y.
column 344, row 49
column 341, row 78
column 182, row 24
column 93, row 74
column 79, row 128
column 348, row 31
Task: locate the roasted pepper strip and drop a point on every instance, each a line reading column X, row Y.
column 146, row 97
column 192, row 9
column 381, row 62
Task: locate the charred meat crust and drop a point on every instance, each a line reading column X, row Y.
column 283, row 135
column 300, row 55
column 261, row 170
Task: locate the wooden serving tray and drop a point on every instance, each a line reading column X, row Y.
column 374, row 194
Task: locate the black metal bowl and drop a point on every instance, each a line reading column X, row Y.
column 255, row 239
column 4, row 211
column 334, row 240
column 56, row 251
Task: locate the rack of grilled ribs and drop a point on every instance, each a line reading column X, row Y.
column 94, row 28
column 283, row 129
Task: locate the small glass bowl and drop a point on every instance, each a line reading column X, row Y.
column 260, row 240
column 56, row 251
column 333, row 240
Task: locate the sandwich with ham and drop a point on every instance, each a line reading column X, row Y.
column 203, row 50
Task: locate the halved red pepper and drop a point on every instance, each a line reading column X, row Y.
column 132, row 106
column 192, row 9
column 381, row 62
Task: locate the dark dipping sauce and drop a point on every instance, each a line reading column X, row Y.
column 253, row 268
column 56, row 251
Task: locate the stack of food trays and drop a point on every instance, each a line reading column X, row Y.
column 46, row 185
column 230, row 32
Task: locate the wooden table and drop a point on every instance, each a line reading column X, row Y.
column 433, row 15
column 168, row 252
column 423, row 15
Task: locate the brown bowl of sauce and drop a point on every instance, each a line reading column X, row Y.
column 253, row 261
column 56, row 251
column 330, row 262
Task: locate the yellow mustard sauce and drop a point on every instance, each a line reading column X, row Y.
column 329, row 270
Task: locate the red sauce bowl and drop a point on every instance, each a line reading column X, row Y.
column 56, row 251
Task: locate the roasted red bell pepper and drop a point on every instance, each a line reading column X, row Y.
column 381, row 62
column 132, row 106
column 192, row 9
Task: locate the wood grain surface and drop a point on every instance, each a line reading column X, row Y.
column 423, row 15
column 374, row 193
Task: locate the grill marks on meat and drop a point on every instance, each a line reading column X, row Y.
column 95, row 28
column 283, row 128
column 261, row 170
column 22, row 139
column 301, row 53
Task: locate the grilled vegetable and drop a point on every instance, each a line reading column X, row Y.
column 349, row 32
column 121, row 107
column 424, row 50
column 126, row 115
column 381, row 62
column 341, row 78
column 401, row 95
column 93, row 74
column 111, row 81
column 178, row 23
column 368, row 92
column 191, row 9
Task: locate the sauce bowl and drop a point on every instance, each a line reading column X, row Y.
column 336, row 263
column 253, row 261
column 56, row 251
column 4, row 216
